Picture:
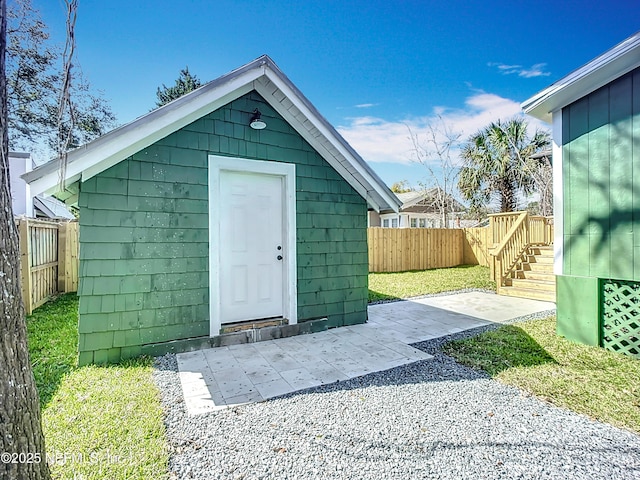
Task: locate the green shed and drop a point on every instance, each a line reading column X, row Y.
column 595, row 113
column 235, row 213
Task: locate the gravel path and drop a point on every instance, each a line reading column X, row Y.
column 431, row 419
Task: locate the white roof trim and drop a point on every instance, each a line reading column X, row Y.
column 262, row 75
column 417, row 199
column 605, row 68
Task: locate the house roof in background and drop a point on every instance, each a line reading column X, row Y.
column 414, row 198
column 603, row 69
column 262, row 75
column 547, row 153
column 52, row 207
column 408, row 197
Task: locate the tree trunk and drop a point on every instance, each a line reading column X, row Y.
column 507, row 196
column 22, row 454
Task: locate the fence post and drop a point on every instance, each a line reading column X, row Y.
column 25, row 264
column 63, row 264
column 497, row 272
column 74, row 253
column 67, row 257
column 492, row 267
column 492, row 230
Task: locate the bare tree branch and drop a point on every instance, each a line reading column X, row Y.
column 66, row 112
column 437, row 152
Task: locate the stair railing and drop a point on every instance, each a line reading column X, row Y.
column 500, row 223
column 540, row 230
column 509, row 251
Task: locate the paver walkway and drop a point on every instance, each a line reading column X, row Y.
column 220, row 377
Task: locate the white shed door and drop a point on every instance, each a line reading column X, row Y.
column 251, row 246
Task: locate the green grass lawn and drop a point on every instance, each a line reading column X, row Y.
column 588, row 380
column 388, row 286
column 99, row 422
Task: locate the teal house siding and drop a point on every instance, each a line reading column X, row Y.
column 601, row 195
column 601, row 160
column 144, row 259
column 595, row 112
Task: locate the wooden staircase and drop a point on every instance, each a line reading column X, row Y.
column 522, row 256
column 533, row 276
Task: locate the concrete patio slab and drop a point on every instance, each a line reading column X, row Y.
column 221, row 377
column 494, row 308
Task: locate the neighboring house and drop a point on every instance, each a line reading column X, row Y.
column 419, row 210
column 23, row 203
column 50, row 207
column 595, row 112
column 194, row 223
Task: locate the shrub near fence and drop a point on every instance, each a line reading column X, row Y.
column 404, row 249
column 48, row 259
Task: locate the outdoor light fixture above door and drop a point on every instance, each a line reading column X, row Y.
column 255, row 122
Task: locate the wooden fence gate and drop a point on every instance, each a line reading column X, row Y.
column 48, row 259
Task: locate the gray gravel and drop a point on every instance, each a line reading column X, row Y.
column 430, row 419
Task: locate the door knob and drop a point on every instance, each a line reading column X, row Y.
column 279, row 257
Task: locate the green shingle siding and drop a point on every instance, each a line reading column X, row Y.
column 144, row 286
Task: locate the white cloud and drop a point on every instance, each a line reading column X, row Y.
column 380, row 140
column 537, row 70
column 366, row 105
column 506, row 69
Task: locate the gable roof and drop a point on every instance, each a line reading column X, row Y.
column 262, row 75
column 409, row 198
column 425, row 198
column 52, row 207
column 600, row 71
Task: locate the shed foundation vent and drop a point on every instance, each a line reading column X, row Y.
column 620, row 330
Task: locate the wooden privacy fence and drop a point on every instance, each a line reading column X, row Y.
column 403, row 249
column 48, row 259
column 476, row 244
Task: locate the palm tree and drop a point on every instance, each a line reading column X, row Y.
column 497, row 162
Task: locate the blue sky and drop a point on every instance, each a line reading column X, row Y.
column 372, row 68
